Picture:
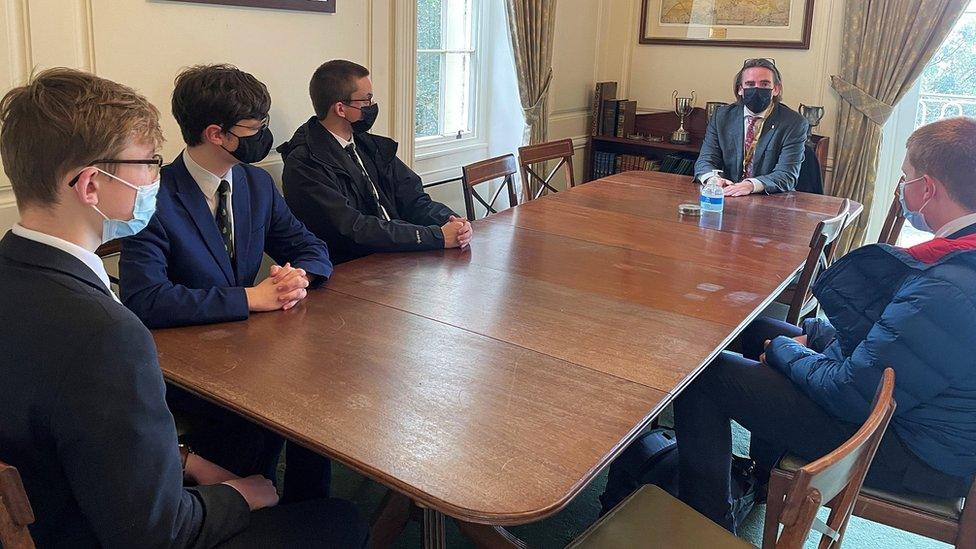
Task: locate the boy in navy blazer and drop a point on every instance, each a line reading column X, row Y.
column 82, row 404
column 198, row 260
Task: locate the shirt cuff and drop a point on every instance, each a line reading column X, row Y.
column 757, row 185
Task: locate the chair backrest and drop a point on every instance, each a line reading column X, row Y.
column 821, row 244
column 836, row 478
column 534, row 154
column 15, row 510
column 483, row 172
column 893, row 223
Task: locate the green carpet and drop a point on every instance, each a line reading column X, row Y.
column 558, row 530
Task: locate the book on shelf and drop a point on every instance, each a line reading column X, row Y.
column 626, row 118
column 608, row 163
column 611, row 110
column 604, row 90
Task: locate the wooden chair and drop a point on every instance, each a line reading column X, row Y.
column 799, row 295
column 533, row 154
column 483, row 172
column 894, row 221
column 15, row 510
column 949, row 520
column 109, row 249
column 652, row 514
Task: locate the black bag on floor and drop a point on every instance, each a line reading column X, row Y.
column 653, row 459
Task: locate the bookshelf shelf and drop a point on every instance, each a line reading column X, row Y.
column 692, row 147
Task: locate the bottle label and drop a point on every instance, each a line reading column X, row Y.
column 716, row 200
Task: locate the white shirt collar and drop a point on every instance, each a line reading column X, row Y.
column 88, row 258
column 342, row 142
column 207, row 180
column 956, row 225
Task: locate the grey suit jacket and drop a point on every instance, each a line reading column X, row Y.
column 778, row 155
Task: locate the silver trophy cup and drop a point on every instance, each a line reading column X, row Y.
column 682, row 108
column 710, row 109
column 813, row 116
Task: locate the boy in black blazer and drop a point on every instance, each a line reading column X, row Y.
column 82, row 400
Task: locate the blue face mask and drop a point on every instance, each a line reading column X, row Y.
column 142, row 211
column 916, row 219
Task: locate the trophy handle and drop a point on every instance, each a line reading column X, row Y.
column 674, row 95
column 692, row 98
column 802, row 107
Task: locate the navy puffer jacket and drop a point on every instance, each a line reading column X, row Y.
column 915, row 311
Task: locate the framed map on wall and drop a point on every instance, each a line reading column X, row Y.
column 750, row 23
column 326, row 6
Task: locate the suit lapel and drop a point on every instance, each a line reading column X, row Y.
column 736, row 126
column 242, row 218
column 195, row 204
column 769, row 128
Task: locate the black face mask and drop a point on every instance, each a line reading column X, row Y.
column 757, row 99
column 369, row 118
column 253, row 148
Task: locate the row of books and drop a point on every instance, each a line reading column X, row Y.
column 611, row 116
column 608, row 163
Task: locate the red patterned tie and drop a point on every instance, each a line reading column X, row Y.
column 749, row 146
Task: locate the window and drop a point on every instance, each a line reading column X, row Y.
column 946, row 88
column 447, row 71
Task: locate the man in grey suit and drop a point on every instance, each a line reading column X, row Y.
column 755, row 145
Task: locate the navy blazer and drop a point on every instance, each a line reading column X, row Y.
column 176, row 271
column 779, row 152
column 83, row 415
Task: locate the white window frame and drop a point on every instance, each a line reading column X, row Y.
column 442, row 145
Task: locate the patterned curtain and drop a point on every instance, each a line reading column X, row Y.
column 887, row 44
column 531, row 25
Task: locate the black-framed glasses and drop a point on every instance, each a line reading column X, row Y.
column 369, row 101
column 265, row 122
column 155, row 164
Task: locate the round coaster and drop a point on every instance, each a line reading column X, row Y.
column 689, row 209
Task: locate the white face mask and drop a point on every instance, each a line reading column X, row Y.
column 142, row 211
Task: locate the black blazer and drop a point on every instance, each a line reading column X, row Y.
column 325, row 189
column 84, row 418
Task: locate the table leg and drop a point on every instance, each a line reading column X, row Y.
column 435, row 536
column 490, row 537
column 389, row 520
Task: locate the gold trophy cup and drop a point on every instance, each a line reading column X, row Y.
column 682, row 108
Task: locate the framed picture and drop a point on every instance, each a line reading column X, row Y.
column 325, row 6
column 750, row 23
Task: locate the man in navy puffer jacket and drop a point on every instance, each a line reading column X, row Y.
column 911, row 309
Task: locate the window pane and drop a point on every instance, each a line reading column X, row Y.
column 429, row 24
column 457, row 31
column 457, row 92
column 428, row 94
column 948, row 84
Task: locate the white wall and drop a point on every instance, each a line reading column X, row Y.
column 144, row 43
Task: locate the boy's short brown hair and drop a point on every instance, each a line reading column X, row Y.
column 946, row 150
column 216, row 94
column 334, row 82
column 63, row 120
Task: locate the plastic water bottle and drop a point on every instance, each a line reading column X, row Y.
column 712, row 196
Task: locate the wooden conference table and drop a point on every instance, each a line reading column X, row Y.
column 492, row 384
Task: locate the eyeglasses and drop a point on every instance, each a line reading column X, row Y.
column 264, row 124
column 154, row 164
column 369, row 101
column 759, row 61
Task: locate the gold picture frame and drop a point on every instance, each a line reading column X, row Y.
column 741, row 23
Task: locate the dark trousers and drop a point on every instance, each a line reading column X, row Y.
column 781, row 419
column 326, row 523
column 245, row 448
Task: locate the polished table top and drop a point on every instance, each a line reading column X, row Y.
column 493, row 383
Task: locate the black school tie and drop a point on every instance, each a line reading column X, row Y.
column 351, row 150
column 223, row 218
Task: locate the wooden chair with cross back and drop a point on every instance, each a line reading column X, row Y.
column 485, row 171
column 530, row 155
column 15, row 510
column 652, row 517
